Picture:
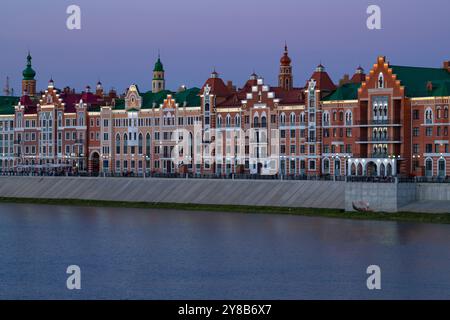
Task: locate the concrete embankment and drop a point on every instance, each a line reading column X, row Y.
column 395, row 197
column 308, row 194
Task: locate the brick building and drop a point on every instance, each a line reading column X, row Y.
column 391, row 121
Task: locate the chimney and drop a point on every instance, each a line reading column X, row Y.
column 344, row 80
column 447, row 65
column 230, row 86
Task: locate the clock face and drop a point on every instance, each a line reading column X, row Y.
column 207, row 90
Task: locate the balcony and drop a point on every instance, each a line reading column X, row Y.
column 380, row 139
column 379, row 155
column 372, row 122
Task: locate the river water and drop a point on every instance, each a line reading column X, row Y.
column 164, row 254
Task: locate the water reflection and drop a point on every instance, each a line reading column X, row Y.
column 156, row 254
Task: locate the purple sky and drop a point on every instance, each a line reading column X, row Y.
column 119, row 40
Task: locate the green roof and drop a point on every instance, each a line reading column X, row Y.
column 189, row 98
column 441, row 88
column 348, row 91
column 158, row 66
column 28, row 73
column 7, row 104
column 119, row 104
column 149, row 98
column 416, row 79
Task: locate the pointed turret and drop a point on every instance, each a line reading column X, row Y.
column 28, row 81
column 285, row 78
column 158, row 82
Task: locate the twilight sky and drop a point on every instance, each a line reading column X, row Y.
column 119, row 40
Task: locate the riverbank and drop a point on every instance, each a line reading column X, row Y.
column 439, row 218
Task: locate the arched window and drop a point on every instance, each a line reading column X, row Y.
column 292, row 119
column 428, row 116
column 237, row 121
column 282, row 118
column 428, row 167
column 219, row 121
column 348, row 118
column 118, row 144
column 441, row 167
column 206, row 107
column 337, row 167
column 302, row 117
column 263, row 121
column 326, row 119
column 381, row 80
column 228, row 120
column 148, row 144
column 125, row 143
column 256, row 121
column 140, row 144
column 326, row 166
column 445, row 112
column 438, row 112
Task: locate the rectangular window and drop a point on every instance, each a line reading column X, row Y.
column 348, row 132
column 416, row 132
column 273, row 118
column 293, row 134
column 416, row 114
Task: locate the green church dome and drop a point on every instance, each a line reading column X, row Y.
column 28, row 73
column 158, row 66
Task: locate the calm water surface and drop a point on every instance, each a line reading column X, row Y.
column 156, row 254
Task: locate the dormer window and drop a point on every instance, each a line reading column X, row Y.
column 381, row 80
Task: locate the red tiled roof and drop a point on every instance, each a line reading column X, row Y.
column 70, row 100
column 234, row 100
column 217, row 86
column 293, row 96
column 323, row 81
column 358, row 78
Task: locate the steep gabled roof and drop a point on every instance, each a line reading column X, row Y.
column 217, row 86
column 149, row 99
column 189, row 97
column 7, row 104
column 323, row 81
column 416, row 79
column 348, row 91
column 440, row 88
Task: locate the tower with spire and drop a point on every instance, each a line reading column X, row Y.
column 158, row 82
column 285, row 78
column 28, row 81
column 7, row 90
